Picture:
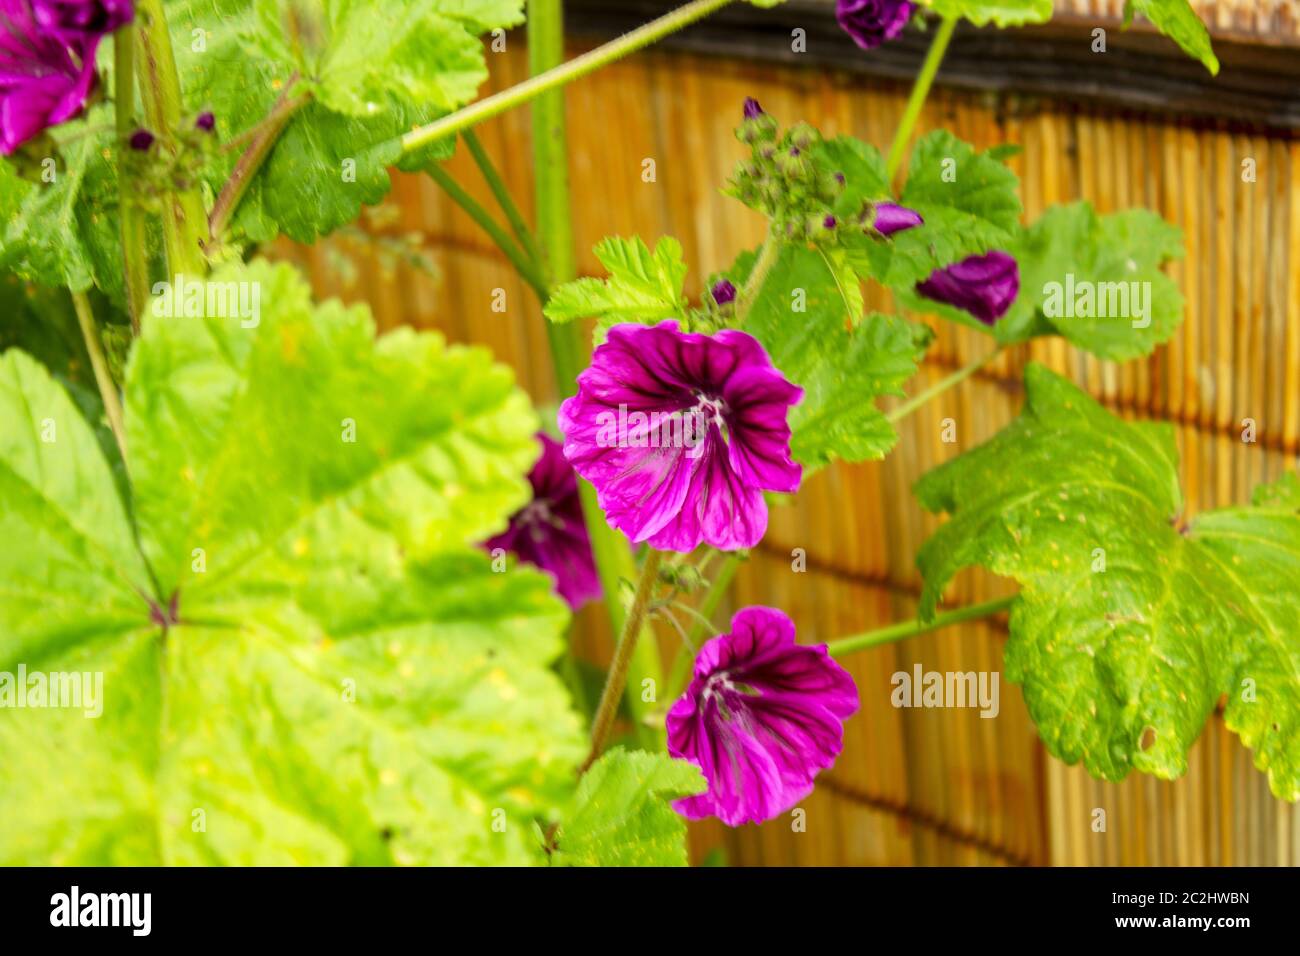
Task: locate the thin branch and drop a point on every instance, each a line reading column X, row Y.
column 503, row 197
column 616, row 681
column 560, row 75
column 263, row 137
column 894, row 416
column 98, row 364
column 915, row 627
column 527, row 270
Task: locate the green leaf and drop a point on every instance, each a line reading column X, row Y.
column 969, row 201
column 41, row 322
column 1004, row 13
column 347, row 680
column 802, row 318
column 1111, row 264
column 863, row 169
column 1177, row 20
column 643, row 286
column 417, row 50
column 1126, row 632
column 66, row 232
column 1093, row 279
column 375, row 82
column 1256, row 553
column 621, row 816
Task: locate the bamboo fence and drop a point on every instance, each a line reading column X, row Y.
column 917, row 786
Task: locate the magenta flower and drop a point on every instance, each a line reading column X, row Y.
column 871, row 22
column 74, row 20
column 681, row 434
column 47, row 61
column 985, row 286
column 549, row 532
column 892, row 218
column 762, row 717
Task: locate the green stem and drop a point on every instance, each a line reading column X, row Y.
column 135, row 254
column 185, row 222
column 905, row 629
column 560, row 73
column 916, row 401
column 250, row 161
column 99, row 365
column 613, row 556
column 748, row 295
column 526, row 268
column 616, row 681
column 681, row 669
column 503, row 197
column 920, row 90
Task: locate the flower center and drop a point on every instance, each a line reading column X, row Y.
column 538, row 518
column 710, row 410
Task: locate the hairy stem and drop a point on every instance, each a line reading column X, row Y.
column 614, row 561
column 748, row 295
column 185, row 223
column 99, row 365
column 618, row 667
column 920, row 90
column 263, row 137
column 915, row 627
column 681, row 669
column 560, row 74
column 135, row 255
column 896, row 415
column 502, row 194
column 526, row 268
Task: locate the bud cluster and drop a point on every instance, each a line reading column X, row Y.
column 158, row 167
column 783, row 179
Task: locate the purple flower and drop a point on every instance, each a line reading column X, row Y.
column 74, row 20
column 206, row 121
column 549, row 532
column 681, row 434
column 752, row 109
column 762, row 716
column 892, row 218
column 723, row 292
column 871, row 22
column 47, row 61
column 985, row 286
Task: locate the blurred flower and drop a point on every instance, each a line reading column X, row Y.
column 549, row 532
column 752, row 109
column 47, row 61
column 985, row 286
column 892, row 218
column 871, row 22
column 762, row 716
column 681, row 433
column 74, row 20
column 723, row 292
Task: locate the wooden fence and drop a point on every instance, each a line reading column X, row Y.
column 924, row 786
